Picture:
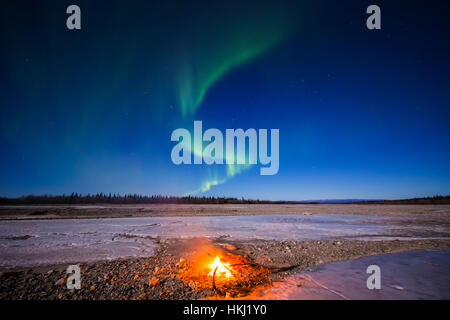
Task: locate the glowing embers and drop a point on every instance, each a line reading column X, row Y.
column 219, row 272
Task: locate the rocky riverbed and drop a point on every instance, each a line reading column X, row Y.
column 160, row 276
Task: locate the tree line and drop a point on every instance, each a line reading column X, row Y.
column 102, row 198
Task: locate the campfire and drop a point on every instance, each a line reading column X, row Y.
column 220, row 269
column 226, row 273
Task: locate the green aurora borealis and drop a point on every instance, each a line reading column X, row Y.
column 247, row 37
column 361, row 113
column 228, row 48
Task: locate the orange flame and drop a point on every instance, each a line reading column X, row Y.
column 220, row 268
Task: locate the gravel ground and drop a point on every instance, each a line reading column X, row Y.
column 161, row 276
column 157, row 210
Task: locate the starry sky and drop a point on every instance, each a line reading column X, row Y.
column 362, row 113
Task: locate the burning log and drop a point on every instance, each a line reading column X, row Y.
column 222, row 268
column 218, row 266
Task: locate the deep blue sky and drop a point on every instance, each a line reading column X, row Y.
column 362, row 114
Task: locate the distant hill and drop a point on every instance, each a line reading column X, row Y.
column 331, row 201
column 427, row 200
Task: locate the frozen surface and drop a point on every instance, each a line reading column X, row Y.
column 41, row 242
column 419, row 274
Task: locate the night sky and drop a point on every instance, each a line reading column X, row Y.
column 362, row 113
